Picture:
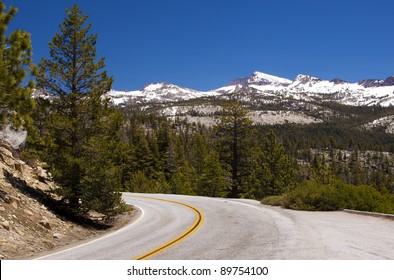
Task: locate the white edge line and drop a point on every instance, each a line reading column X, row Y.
column 98, row 239
column 246, row 204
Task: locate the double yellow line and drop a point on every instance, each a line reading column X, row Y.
column 194, row 227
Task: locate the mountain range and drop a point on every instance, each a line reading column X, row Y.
column 263, row 86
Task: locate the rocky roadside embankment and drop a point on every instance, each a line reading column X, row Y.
column 27, row 227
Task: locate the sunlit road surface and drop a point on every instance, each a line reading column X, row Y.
column 188, row 227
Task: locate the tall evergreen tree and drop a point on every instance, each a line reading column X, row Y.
column 15, row 59
column 82, row 128
column 234, row 141
column 213, row 178
column 197, row 157
column 272, row 172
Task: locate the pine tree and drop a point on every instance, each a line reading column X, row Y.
column 15, row 60
column 72, row 73
column 82, row 129
column 213, row 179
column 234, row 142
column 276, row 171
column 197, row 157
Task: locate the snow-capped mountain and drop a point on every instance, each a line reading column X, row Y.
column 309, row 88
column 377, row 83
column 269, row 82
column 259, row 78
column 304, row 88
column 158, row 93
column 279, row 100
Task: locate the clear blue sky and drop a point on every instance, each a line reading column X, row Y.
column 205, row 44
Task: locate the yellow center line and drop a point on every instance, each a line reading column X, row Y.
column 193, row 228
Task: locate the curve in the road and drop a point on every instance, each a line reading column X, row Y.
column 237, row 230
column 193, row 228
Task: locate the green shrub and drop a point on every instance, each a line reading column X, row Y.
column 139, row 183
column 277, row 200
column 314, row 196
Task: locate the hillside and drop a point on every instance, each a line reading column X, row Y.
column 27, row 226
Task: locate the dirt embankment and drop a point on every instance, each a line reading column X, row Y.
column 27, row 227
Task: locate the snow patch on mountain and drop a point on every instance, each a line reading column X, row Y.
column 259, row 78
column 228, row 89
column 157, row 92
column 317, row 86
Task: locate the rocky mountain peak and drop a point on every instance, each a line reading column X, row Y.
column 388, row 82
column 156, row 86
column 338, row 81
column 165, row 87
column 304, row 79
column 259, row 78
column 239, row 81
column 371, row 83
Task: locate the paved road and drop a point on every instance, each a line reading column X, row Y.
column 238, row 229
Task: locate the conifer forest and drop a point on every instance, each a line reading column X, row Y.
column 95, row 150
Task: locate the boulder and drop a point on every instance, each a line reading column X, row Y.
column 28, row 212
column 14, row 198
column 16, row 138
column 20, row 166
column 57, row 236
column 6, row 152
column 7, row 157
column 41, row 174
column 94, row 215
column 14, row 204
column 4, row 197
column 6, row 225
column 45, row 224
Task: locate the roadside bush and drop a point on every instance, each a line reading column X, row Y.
column 276, row 200
column 361, row 198
column 314, row 196
column 139, row 183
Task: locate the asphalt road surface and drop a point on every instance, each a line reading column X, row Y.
column 187, row 227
